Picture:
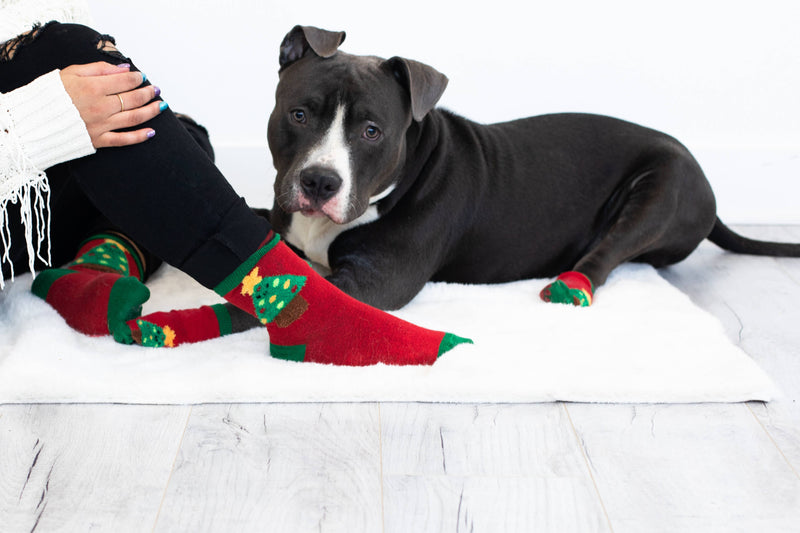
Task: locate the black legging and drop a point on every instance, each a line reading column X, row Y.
column 166, row 193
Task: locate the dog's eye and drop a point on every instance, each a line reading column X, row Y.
column 372, row 133
column 298, row 115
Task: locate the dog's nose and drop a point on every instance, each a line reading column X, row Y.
column 319, row 185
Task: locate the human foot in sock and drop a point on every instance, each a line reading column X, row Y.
column 100, row 289
column 184, row 326
column 309, row 319
column 569, row 288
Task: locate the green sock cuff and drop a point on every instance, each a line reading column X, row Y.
column 45, row 279
column 223, row 319
column 235, row 278
column 449, row 342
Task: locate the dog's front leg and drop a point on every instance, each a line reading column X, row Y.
column 386, row 275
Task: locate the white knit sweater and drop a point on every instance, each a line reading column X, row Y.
column 39, row 128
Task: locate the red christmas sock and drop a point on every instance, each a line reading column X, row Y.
column 571, row 287
column 185, row 326
column 309, row 319
column 100, row 289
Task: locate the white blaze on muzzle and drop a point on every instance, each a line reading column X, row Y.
column 333, row 153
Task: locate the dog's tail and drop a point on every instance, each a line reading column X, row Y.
column 727, row 239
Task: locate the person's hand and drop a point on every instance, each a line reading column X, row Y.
column 107, row 99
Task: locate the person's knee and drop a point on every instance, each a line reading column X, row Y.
column 9, row 48
column 80, row 37
column 74, row 43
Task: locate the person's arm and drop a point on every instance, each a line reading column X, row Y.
column 61, row 116
column 40, row 127
column 67, row 114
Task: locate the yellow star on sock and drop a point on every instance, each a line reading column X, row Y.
column 250, row 281
column 169, row 337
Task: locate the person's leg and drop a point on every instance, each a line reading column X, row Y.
column 103, row 286
column 100, row 289
column 168, row 195
column 195, row 220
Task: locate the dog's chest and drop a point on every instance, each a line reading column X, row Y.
column 315, row 235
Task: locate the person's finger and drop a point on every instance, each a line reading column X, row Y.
column 124, row 138
column 98, row 68
column 120, row 83
column 127, row 101
column 137, row 98
column 135, row 117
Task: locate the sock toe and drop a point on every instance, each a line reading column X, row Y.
column 125, row 303
column 450, row 341
column 561, row 293
column 557, row 292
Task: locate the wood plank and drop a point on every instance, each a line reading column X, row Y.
column 689, row 468
column 485, row 468
column 85, row 467
column 757, row 300
column 277, row 467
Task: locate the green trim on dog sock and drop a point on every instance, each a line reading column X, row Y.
column 572, row 288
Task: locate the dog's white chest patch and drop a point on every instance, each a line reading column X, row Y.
column 315, row 235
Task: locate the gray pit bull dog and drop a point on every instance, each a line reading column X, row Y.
column 388, row 192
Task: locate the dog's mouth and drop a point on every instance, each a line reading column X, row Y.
column 312, row 213
column 331, row 209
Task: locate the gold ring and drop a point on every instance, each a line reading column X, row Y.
column 121, row 103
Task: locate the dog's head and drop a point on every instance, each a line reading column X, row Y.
column 338, row 130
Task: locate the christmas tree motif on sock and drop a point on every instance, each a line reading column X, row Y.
column 276, row 298
column 100, row 289
column 154, row 335
column 307, row 318
column 569, row 288
column 310, row 320
column 184, row 326
column 108, row 256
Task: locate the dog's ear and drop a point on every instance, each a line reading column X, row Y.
column 425, row 84
column 300, row 39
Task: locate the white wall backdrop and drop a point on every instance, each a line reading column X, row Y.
column 723, row 77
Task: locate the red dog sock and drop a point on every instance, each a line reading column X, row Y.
column 569, row 288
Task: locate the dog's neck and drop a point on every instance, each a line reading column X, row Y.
column 422, row 142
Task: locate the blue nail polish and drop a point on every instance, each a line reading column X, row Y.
column 162, row 106
column 144, row 77
column 151, row 134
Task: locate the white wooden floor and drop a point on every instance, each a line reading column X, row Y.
column 411, row 468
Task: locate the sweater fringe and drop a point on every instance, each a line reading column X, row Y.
column 33, row 197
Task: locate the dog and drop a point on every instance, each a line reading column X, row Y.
column 389, row 192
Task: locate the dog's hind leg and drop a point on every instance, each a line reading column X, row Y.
column 664, row 212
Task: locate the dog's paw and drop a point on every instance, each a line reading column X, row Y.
column 569, row 288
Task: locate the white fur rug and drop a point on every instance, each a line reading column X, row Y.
column 641, row 341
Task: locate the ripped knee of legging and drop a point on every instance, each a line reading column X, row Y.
column 9, row 48
column 107, row 45
column 65, row 35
